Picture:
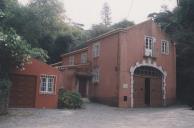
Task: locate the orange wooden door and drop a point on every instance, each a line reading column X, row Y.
column 156, row 92
column 139, row 91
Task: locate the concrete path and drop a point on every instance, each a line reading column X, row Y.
column 100, row 116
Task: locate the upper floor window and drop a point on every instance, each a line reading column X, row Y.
column 149, row 45
column 165, row 47
column 47, row 83
column 96, row 75
column 84, row 58
column 71, row 60
column 96, row 49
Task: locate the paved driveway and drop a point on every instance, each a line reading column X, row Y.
column 100, row 116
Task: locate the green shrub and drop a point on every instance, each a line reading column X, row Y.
column 191, row 103
column 5, row 85
column 4, row 92
column 70, row 100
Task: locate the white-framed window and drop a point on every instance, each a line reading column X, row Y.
column 71, row 60
column 96, row 49
column 96, row 75
column 47, row 83
column 165, row 47
column 149, row 45
column 84, row 58
column 149, row 42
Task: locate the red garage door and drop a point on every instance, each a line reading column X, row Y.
column 23, row 91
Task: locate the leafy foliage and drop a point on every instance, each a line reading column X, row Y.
column 2, row 5
column 42, row 23
column 5, row 84
column 179, row 25
column 14, row 52
column 100, row 29
column 122, row 24
column 70, row 100
column 39, row 53
column 4, row 87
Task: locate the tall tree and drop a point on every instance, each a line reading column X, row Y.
column 106, row 14
column 14, row 52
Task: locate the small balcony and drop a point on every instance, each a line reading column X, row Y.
column 77, row 67
column 150, row 53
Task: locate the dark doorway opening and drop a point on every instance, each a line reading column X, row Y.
column 82, row 87
column 147, row 91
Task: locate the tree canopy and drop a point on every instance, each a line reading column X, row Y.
column 106, row 14
column 41, row 23
column 99, row 29
column 15, row 51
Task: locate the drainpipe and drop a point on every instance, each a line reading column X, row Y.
column 118, row 67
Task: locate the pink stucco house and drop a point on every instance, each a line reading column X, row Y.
column 133, row 67
column 35, row 87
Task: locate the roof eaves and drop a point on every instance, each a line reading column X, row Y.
column 106, row 34
column 75, row 51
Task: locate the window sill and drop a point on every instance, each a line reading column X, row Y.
column 165, row 54
column 83, row 62
column 96, row 57
column 47, row 93
column 95, row 82
column 71, row 64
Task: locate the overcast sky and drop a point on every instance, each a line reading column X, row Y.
column 88, row 12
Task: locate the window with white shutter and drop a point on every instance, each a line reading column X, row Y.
column 165, row 47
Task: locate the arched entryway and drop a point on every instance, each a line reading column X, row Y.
column 147, row 87
column 153, row 75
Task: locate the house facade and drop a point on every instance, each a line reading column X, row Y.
column 35, row 87
column 133, row 67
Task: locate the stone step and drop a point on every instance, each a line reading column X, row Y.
column 85, row 100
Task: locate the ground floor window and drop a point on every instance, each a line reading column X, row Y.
column 96, row 74
column 47, row 84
